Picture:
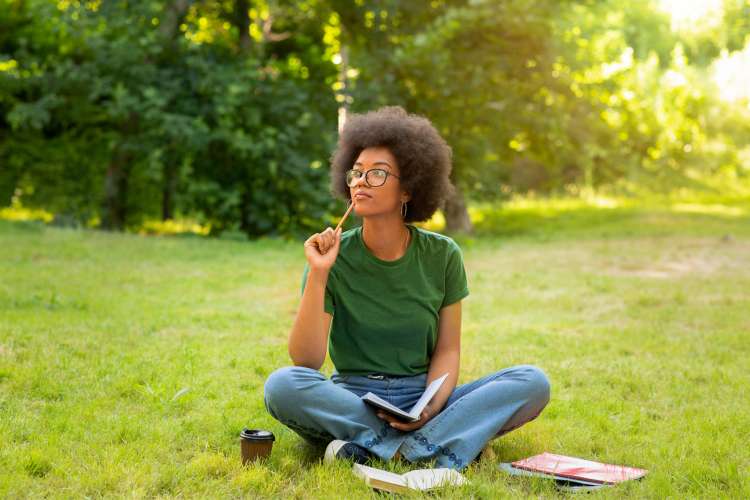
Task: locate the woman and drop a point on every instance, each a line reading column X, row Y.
column 390, row 295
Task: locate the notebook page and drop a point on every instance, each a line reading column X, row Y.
column 385, row 404
column 364, row 472
column 429, row 393
column 424, row 479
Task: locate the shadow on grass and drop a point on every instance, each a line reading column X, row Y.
column 500, row 449
column 309, row 453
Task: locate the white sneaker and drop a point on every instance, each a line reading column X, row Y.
column 338, row 449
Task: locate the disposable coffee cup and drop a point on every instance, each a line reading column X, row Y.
column 255, row 444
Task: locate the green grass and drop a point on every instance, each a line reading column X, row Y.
column 129, row 364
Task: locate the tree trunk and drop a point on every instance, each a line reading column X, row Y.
column 344, row 91
column 245, row 207
column 173, row 16
column 456, row 215
column 168, row 190
column 116, row 192
column 242, row 22
column 118, row 174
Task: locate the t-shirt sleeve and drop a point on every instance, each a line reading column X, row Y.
column 456, row 285
column 328, row 304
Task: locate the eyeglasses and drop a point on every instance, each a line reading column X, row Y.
column 375, row 177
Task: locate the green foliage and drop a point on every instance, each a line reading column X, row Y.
column 120, row 119
column 224, row 112
column 546, row 96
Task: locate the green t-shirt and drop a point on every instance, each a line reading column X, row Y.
column 385, row 313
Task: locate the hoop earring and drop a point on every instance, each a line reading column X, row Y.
column 404, row 209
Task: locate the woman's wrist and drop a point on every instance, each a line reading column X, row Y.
column 431, row 412
column 319, row 275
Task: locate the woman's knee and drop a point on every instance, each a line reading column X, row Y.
column 539, row 385
column 283, row 383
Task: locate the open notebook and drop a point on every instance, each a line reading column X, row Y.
column 416, row 411
column 420, row 479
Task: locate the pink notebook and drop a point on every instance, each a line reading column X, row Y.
column 578, row 468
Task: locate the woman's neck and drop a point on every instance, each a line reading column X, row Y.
column 387, row 239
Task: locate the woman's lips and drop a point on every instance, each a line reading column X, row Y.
column 361, row 197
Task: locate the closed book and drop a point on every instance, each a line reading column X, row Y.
column 577, row 468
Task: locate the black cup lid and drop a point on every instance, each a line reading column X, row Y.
column 257, row 435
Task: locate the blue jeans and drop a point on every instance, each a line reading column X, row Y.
column 321, row 409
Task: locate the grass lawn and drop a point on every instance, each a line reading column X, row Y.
column 129, row 364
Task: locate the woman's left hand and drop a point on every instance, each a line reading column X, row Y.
column 426, row 415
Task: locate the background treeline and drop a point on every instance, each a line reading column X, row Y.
column 114, row 112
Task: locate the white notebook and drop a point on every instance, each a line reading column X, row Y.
column 414, row 413
column 420, row 479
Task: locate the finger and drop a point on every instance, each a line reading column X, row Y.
column 396, row 425
column 394, row 422
column 330, row 237
column 409, row 426
column 389, row 418
column 320, row 244
column 322, row 240
column 311, row 240
column 404, row 427
column 336, row 239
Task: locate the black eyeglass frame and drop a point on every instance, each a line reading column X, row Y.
column 366, row 174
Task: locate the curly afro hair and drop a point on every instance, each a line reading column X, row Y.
column 423, row 156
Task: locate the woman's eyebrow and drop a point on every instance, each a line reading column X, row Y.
column 376, row 162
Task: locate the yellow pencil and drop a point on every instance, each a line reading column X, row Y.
column 345, row 216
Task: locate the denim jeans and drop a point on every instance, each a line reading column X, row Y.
column 321, row 409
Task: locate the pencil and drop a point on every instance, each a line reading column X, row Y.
column 345, row 216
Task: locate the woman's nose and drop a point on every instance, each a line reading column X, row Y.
column 357, row 180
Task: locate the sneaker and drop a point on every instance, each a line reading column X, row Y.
column 346, row 450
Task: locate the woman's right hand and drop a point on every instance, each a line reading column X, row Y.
column 321, row 249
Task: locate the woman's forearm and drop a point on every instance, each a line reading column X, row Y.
column 443, row 361
column 308, row 339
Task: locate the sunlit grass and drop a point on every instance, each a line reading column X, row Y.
column 128, row 365
column 724, row 210
column 518, row 215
